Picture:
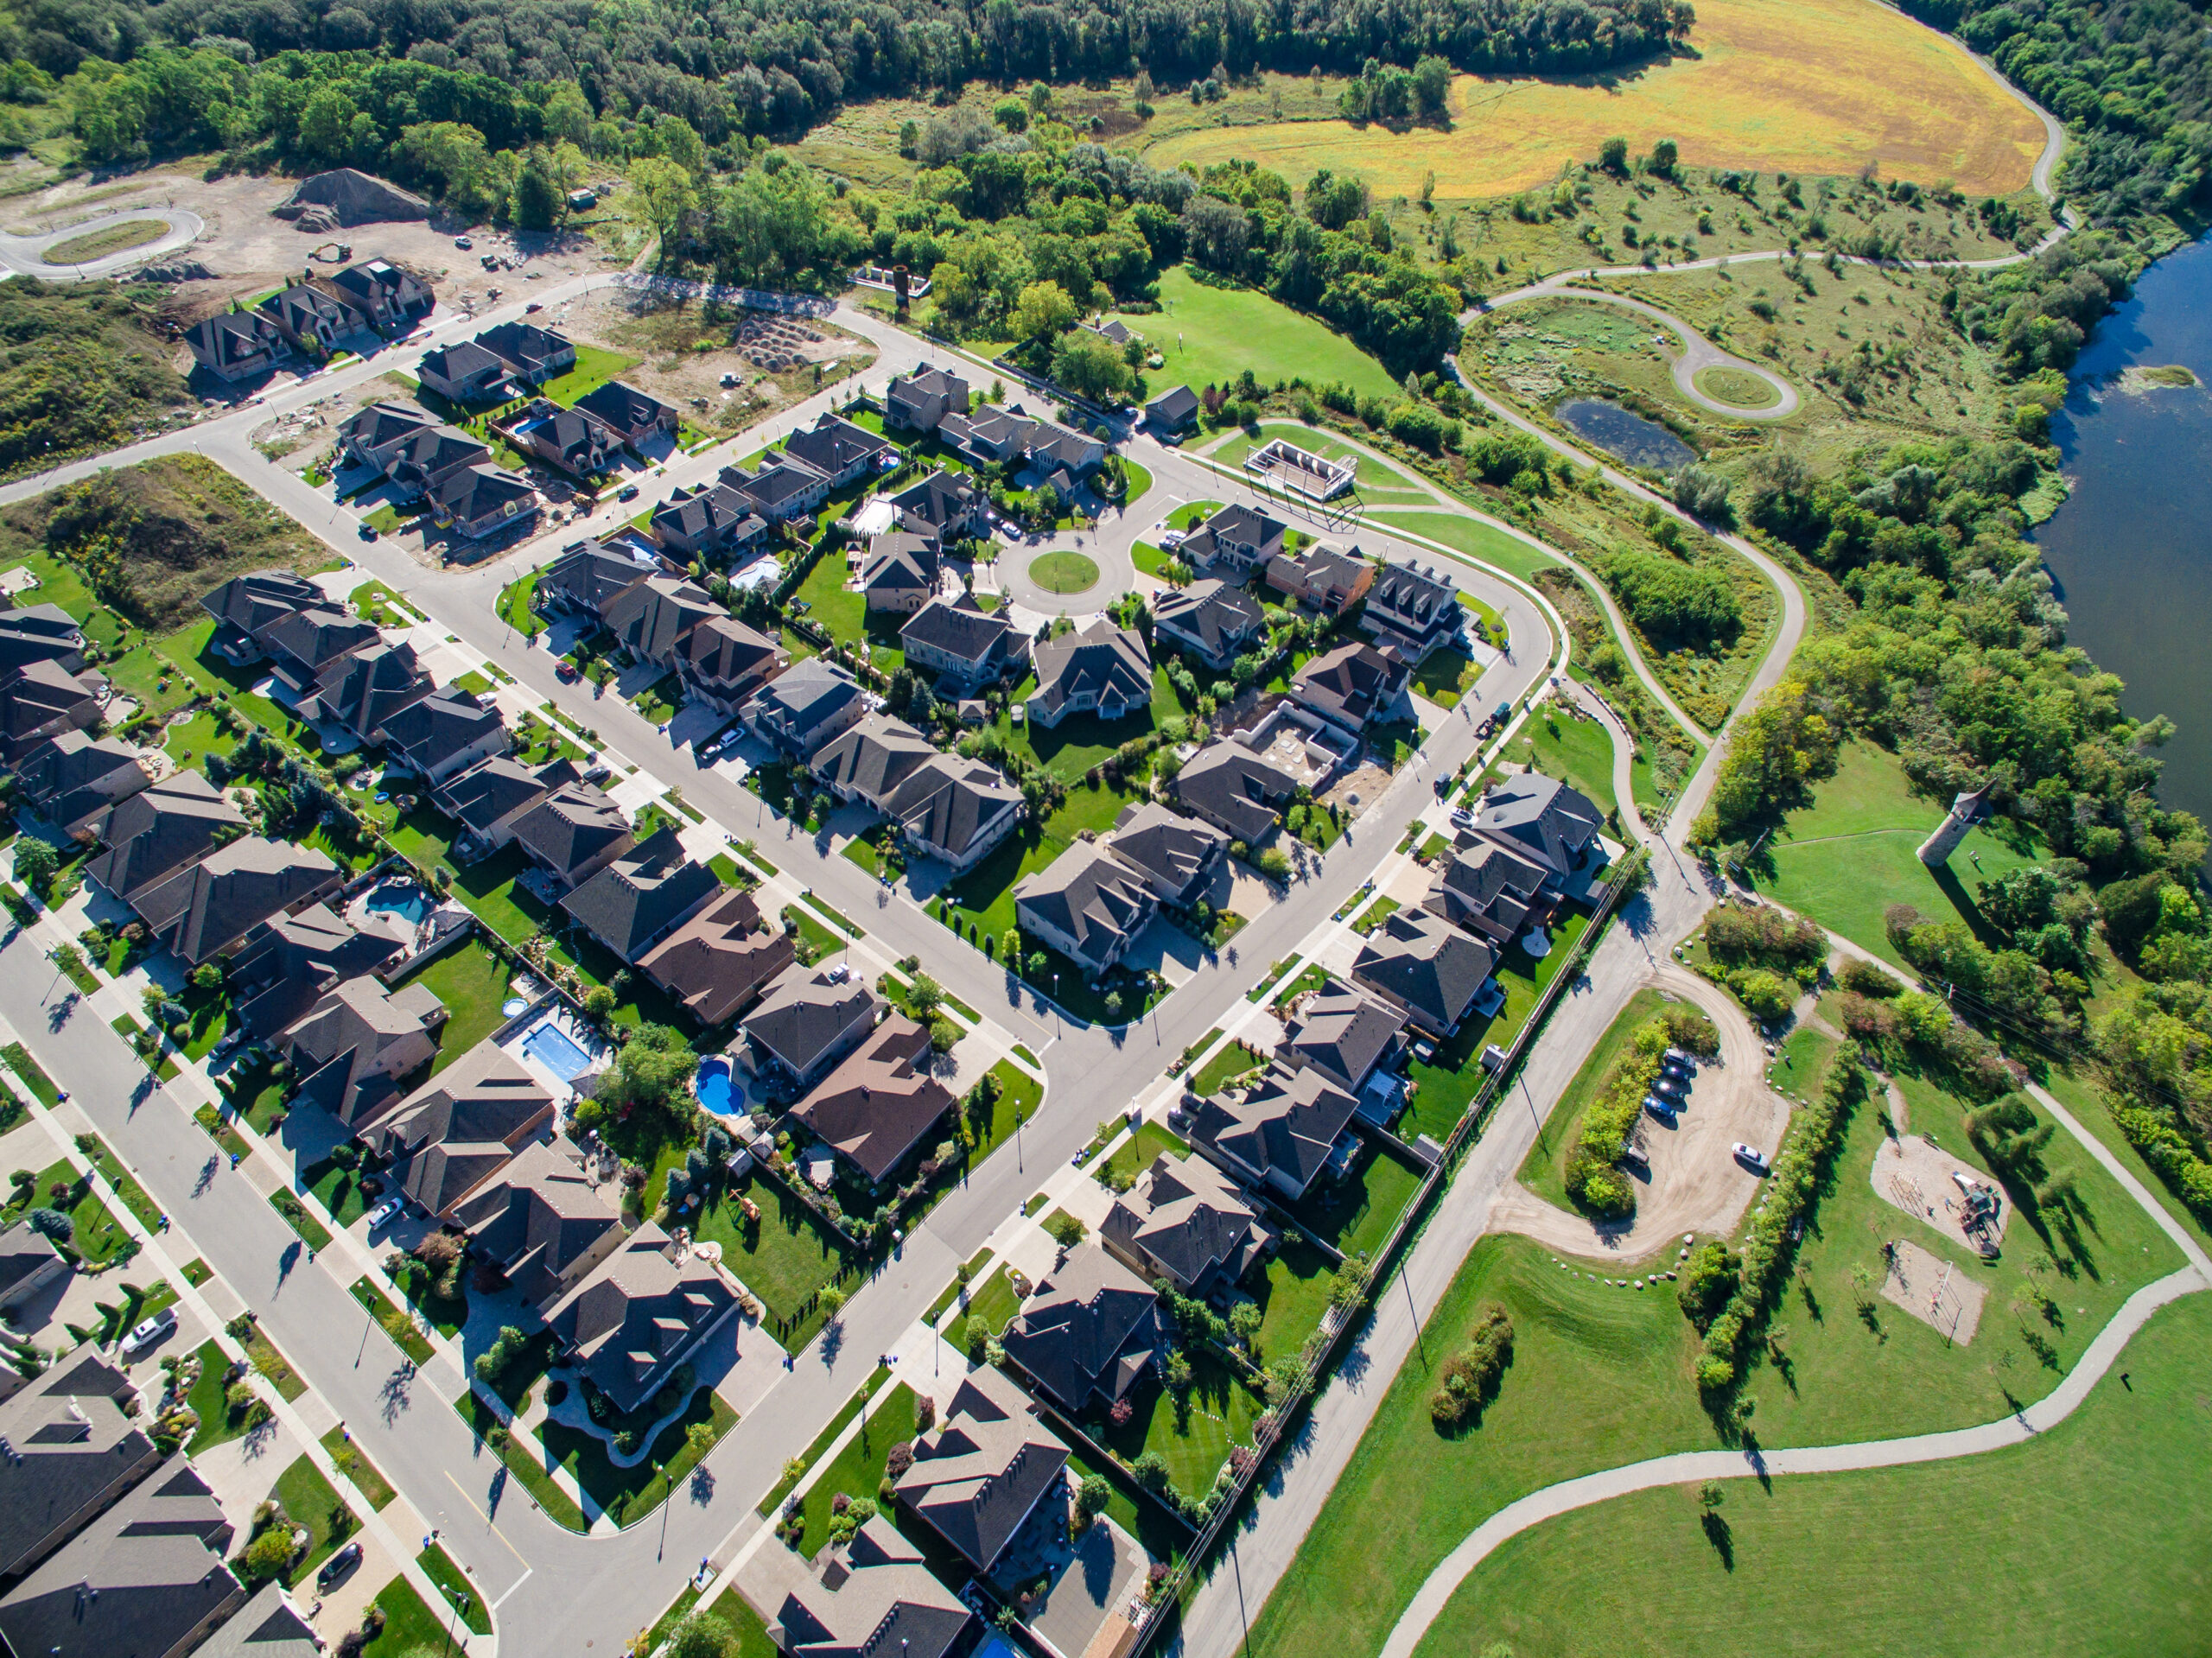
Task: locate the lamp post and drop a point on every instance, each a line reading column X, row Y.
column 460, row 1607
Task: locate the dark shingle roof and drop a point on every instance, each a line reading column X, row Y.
column 874, row 756
column 803, row 1014
column 715, row 963
column 201, row 911
column 1088, row 898
column 1234, row 787
column 1426, row 963
column 1541, row 818
column 976, row 1476
column 956, row 629
column 157, row 831
column 1218, row 618
column 1093, row 1326
column 641, row 894
column 538, row 1219
column 1102, row 660
column 636, row 1314
column 428, row 732
column 879, row 1104
column 1344, row 1032
column 1171, row 851
column 571, row 827
column 1284, row 1124
column 1186, row 1216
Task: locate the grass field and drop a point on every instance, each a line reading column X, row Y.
column 1065, row 573
column 132, row 233
column 1735, row 387
column 858, row 1468
column 1820, row 87
column 1209, row 336
column 1479, row 542
column 2086, row 1540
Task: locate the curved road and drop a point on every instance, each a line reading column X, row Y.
column 23, row 255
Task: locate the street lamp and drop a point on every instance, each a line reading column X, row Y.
column 460, row 1607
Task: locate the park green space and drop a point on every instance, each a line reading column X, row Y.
column 1544, row 1169
column 1065, row 573
column 1485, row 543
column 1210, row 336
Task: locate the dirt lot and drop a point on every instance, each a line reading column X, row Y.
column 1935, row 1292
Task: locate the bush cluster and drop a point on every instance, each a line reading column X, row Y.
column 1592, row 1181
column 1469, row 1378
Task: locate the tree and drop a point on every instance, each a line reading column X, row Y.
column 700, row 1437
column 667, row 192
column 833, row 1303
column 1245, row 1318
column 540, row 202
column 268, row 1554
column 568, row 113
column 1089, row 366
column 1066, row 1230
column 51, row 1223
column 652, row 1073
column 1663, row 157
column 1091, row 1498
column 1614, row 156
column 1042, row 310
column 924, row 997
column 701, row 1635
column 35, row 863
column 494, row 1362
column 326, row 122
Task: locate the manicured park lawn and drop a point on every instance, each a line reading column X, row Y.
column 1478, row 541
column 858, row 1468
column 2091, row 1537
column 472, row 983
column 1209, row 336
column 1544, row 1169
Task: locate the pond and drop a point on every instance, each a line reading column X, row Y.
column 1624, row 436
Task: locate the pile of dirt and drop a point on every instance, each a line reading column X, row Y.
column 345, row 197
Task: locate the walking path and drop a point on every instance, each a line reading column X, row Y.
column 25, row 256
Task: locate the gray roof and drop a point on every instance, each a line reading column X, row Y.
column 950, row 802
column 723, row 651
column 1092, row 899
column 625, row 408
column 637, row 1313
column 936, row 499
column 523, row 345
column 1173, row 407
column 474, row 492
column 874, row 756
column 499, row 787
column 1488, row 889
column 640, row 894
column 958, row 629
column 1541, row 819
column 343, row 1047
column 572, row 826
column 40, row 633
column 158, row 830
column 290, row 961
column 806, row 697
column 72, row 1451
column 71, row 777
column 1331, row 570
column 538, row 1219
column 832, row 444
column 900, row 562
column 229, row 336
column 879, row 1103
column 1173, row 852
column 1091, row 1326
column 265, row 1626
column 782, row 478
column 201, row 911
column 428, row 732
column 1352, row 684
column 874, row 1598
column 1344, row 1032
column 1284, row 1124
column 25, row 1256
column 715, row 516
column 804, row 1013
column 1414, row 600
column 1243, row 532
column 718, row 961
column 653, row 614
column 1102, row 660
column 377, row 428
column 1219, row 620
column 371, row 686
column 258, row 600
column 461, row 1127
column 590, row 574
column 977, row 1475
column 314, row 636
column 464, row 359
column 1234, row 787
column 1425, row 964
column 1184, row 1217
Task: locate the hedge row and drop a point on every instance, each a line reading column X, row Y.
column 2166, row 1149
column 1591, row 1179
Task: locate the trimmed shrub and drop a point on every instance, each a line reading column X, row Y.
column 1469, row 1380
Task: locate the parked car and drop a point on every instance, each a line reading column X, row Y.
column 386, row 1212
column 565, row 669
column 599, row 773
column 533, row 308
column 146, row 1334
column 463, row 243
column 1750, row 1156
column 339, row 1564
column 627, row 492
column 1665, row 1110
column 1680, row 1056
column 368, row 533
column 1672, row 1087
column 1633, row 1156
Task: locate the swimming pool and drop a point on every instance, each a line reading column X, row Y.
column 552, row 1048
column 412, row 903
column 513, row 1006
column 717, row 1089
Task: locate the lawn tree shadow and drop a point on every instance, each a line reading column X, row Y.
column 1723, row 1540
column 703, row 1485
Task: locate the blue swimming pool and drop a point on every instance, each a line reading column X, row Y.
column 717, row 1089
column 410, row 902
column 552, row 1048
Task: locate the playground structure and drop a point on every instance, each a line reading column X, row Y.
column 1914, row 1174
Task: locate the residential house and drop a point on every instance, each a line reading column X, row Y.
column 1186, row 1222
column 966, row 647
column 1414, row 610
column 1238, row 538
column 533, row 355
column 234, row 345
column 650, row 616
column 839, row 450
column 373, row 685
column 1351, row 687
column 714, row 523
column 353, row 1047
column 879, row 1106
column 638, row 1315
column 40, row 699
column 641, row 895
column 267, row 1626
column 1176, row 857
column 542, row 1223
column 367, row 438
column 205, row 909
column 984, row 1468
column 805, row 707
column 809, row 1021
column 576, row 443
column 392, row 299
column 40, row 633
column 1234, row 789
column 955, row 810
column 289, row 962
column 72, row 1452
column 465, row 371
column 152, row 835
column 786, row 488
column 900, row 573
column 1426, row 968
column 416, row 453
column 869, row 761
column 719, row 961
column 725, row 661
column 145, row 1579
column 73, row 780
column 444, row 733
column 1546, row 822
column 490, row 798
column 248, row 608
column 313, row 321
column 1277, row 1133
column 1173, row 410
column 1342, row 1034
column 917, row 401
column 584, row 577
column 1113, row 332
column 1493, row 892
column 1211, row 621
column 29, row 1265
column 480, row 501
column 1058, row 455
column 306, row 646
column 460, row 1130
column 1323, row 578
column 943, row 505
column 1091, row 1330
column 1101, row 669
column 872, row 1597
column 1087, row 904
column 633, row 416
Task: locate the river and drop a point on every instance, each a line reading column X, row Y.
column 2132, row 548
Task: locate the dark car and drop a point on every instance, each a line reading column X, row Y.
column 1665, row 1110
column 337, row 1566
column 1673, row 1087
column 627, row 492
column 368, row 533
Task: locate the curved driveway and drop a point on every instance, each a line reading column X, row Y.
column 23, row 255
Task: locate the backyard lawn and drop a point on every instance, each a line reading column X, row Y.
column 1579, row 751
column 1193, row 1434
column 594, row 368
column 785, row 1260
column 472, row 983
column 1293, row 1299
column 1209, row 336
column 1354, row 1214
column 858, row 1468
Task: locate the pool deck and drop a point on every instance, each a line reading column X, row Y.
column 593, row 1050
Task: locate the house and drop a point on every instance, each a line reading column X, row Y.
column 427, row 463
column 460, row 1129
column 542, row 1223
column 29, row 1264
column 1185, row 1221
column 716, row 523
column 1087, row 904
column 1426, row 968
column 445, row 733
column 872, row 1597
column 1351, row 687
column 1173, row 410
column 805, row 707
column 584, row 577
column 248, row 608
column 352, row 1046
column 1491, row 892
column 917, row 401
column 365, row 439
column 640, row 895
column 1058, row 455
column 464, row 371
column 869, row 760
column 725, row 661
column 1279, row 1132
column 306, row 645
column 1414, row 610
column 313, row 321
column 876, row 1108
column 945, row 506
column 72, row 1452
column 638, row 1315
column 204, row 909
column 234, row 345
column 533, row 355
column 364, row 691
column 72, row 779
column 480, row 501
column 146, row 1579
column 650, row 616
column 1091, row 1329
column 1323, row 578
column 42, row 699
column 980, row 1473
column 839, row 450
column 955, row 810
column 576, row 443
column 1176, row 857
column 392, row 300
column 267, row 1626
column 633, row 416
column 1102, row 669
column 784, row 488
column 964, row 646
column 1211, row 621
column 1343, row 1035
column 1239, row 538
column 900, row 573
column 40, row 633
column 490, row 798
column 1543, row 821
column 149, row 835
column 718, row 964
column 289, row 962
column 1234, row 789
column 809, row 1021
column 1113, row 332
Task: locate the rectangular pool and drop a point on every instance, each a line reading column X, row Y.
column 553, row 1048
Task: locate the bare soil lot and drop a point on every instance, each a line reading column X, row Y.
column 1934, row 1290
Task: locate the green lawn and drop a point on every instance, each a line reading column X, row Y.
column 630, row 1494
column 1445, row 678
column 206, row 1400
column 1020, row 1094
column 557, row 1504
column 752, row 1634
column 1065, row 572
column 454, row 1583
column 797, row 1469
column 981, row 902
column 100, row 1238
column 514, row 606
column 1544, row 1169
column 846, row 614
column 1192, row 1434
column 594, row 368
column 858, row 1468
column 785, row 1260
column 472, row 983
column 1578, row 752
column 1138, row 1152
column 313, row 1502
column 2091, row 1538
column 367, row 1479
column 1234, row 1060
column 409, row 1625
column 1480, row 542
column 1211, row 335
column 1355, row 1214
column 1293, row 1297
column 35, row 1077
column 402, row 1330
column 995, row 1305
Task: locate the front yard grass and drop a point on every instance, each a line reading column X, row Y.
column 454, row 1584
column 1578, row 751
column 1235, row 1060
column 409, row 1625
column 1136, row 1153
column 313, row 1502
column 595, row 367
column 994, row 1306
column 630, row 1494
column 858, row 1468
column 558, row 1505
